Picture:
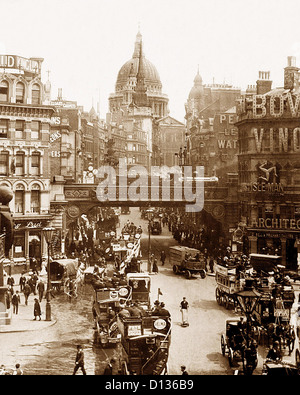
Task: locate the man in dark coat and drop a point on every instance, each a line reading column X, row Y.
column 27, row 292
column 41, row 289
column 37, row 309
column 15, row 302
column 79, row 362
column 22, row 282
column 163, row 257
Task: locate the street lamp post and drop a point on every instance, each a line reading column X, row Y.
column 149, row 212
column 248, row 299
column 48, row 233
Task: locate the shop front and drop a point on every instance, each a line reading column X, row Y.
column 29, row 245
column 281, row 242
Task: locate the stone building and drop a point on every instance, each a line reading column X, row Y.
column 212, row 142
column 168, row 139
column 134, row 106
column 269, row 163
column 25, row 114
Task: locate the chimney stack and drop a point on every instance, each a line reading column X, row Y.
column 291, row 74
column 263, row 84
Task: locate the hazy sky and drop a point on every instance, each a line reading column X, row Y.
column 84, row 43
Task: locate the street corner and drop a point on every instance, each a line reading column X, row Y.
column 26, row 325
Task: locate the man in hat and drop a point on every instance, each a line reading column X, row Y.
column 37, row 309
column 16, row 301
column 183, row 370
column 156, row 309
column 184, row 305
column 79, row 362
column 163, row 311
column 274, row 352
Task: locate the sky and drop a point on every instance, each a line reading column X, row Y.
column 84, row 43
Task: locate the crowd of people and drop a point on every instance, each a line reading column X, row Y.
column 28, row 284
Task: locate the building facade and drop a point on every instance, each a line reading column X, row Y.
column 212, row 142
column 25, row 115
column 269, row 163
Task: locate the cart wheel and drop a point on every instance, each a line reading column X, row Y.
column 226, row 302
column 175, row 269
column 218, row 296
column 223, row 346
column 188, row 274
column 297, row 358
column 230, row 356
column 202, row 273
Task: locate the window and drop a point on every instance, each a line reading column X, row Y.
column 19, row 130
column 19, row 199
column 20, row 90
column 20, row 160
column 35, row 130
column 3, row 128
column 4, row 163
column 35, row 164
column 36, row 94
column 35, row 199
column 3, row 91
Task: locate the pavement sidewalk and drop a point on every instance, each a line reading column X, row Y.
column 24, row 320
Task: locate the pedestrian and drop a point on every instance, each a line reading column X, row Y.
column 184, row 305
column 8, row 297
column 155, row 267
column 41, row 289
column 22, row 282
column 37, row 309
column 11, row 282
column 34, row 281
column 163, row 311
column 211, row 264
column 79, row 361
column 15, row 302
column 183, row 370
column 32, row 285
column 162, row 257
column 109, row 368
column 27, row 292
column 151, row 260
column 18, row 371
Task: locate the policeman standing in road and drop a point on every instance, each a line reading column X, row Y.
column 184, row 305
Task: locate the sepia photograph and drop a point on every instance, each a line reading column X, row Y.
column 150, row 190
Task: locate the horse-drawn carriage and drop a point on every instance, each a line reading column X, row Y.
column 228, row 284
column 233, row 342
column 62, row 270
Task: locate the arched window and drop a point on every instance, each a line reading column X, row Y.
column 35, row 199
column 35, row 94
column 19, row 199
column 20, row 91
column 4, row 91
